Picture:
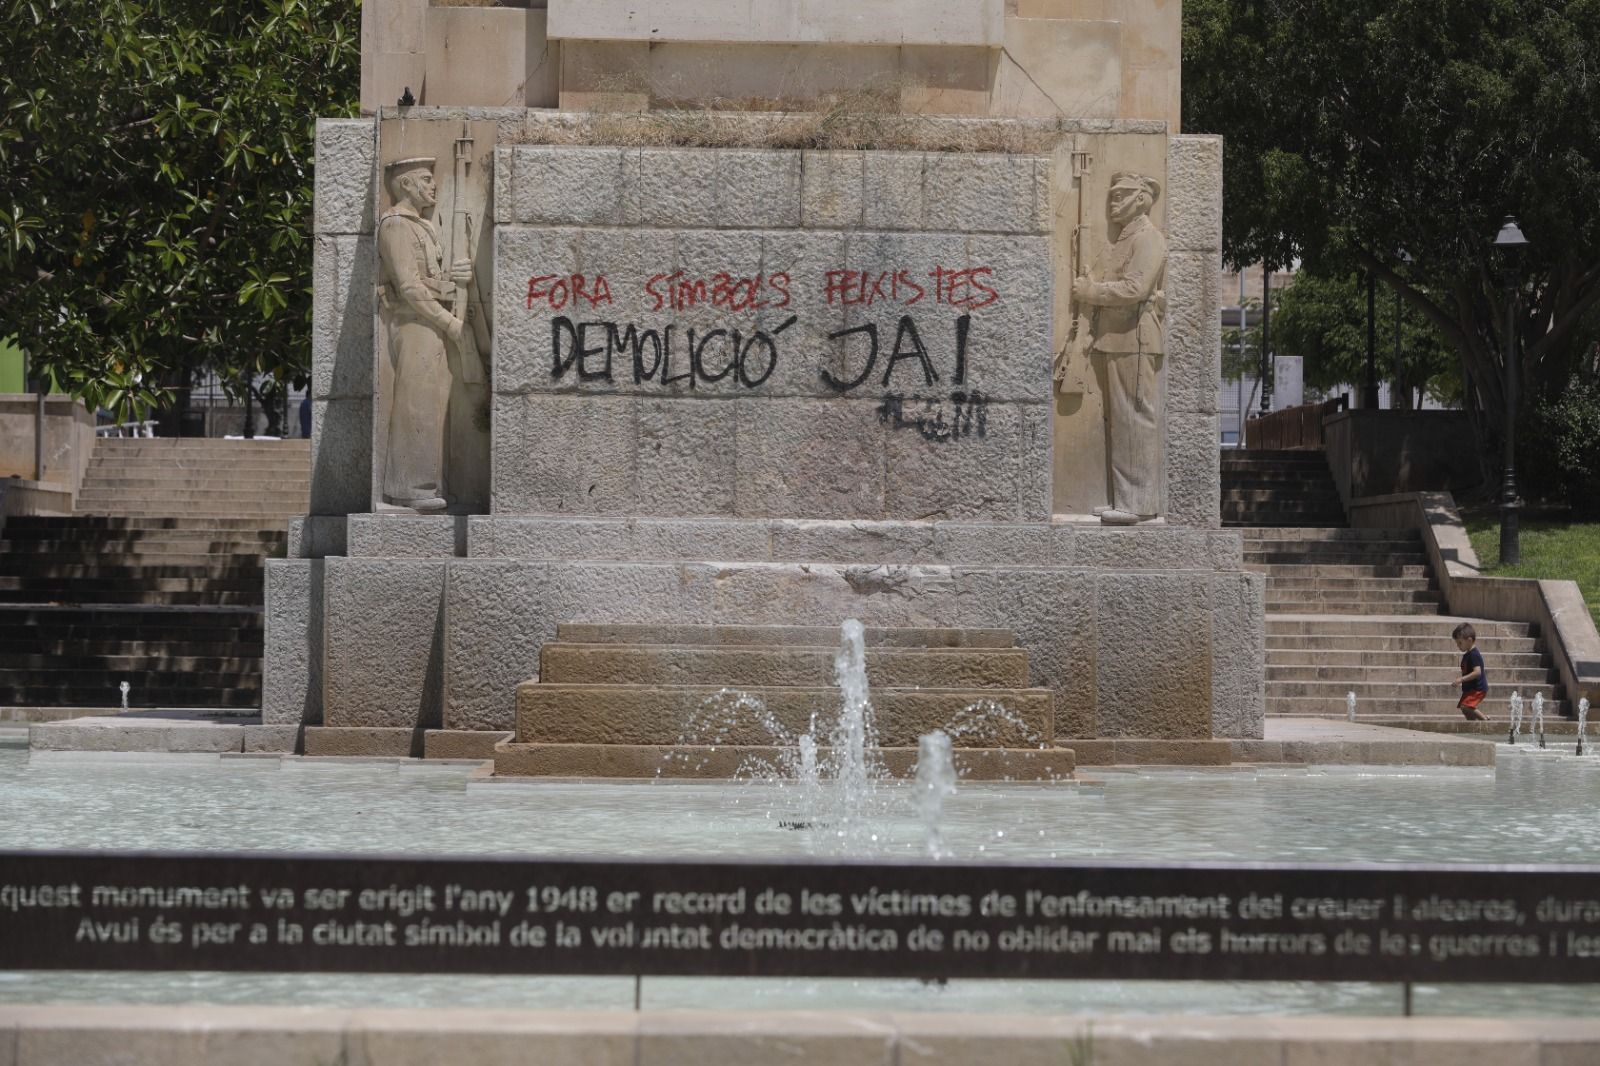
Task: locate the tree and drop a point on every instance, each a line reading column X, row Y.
column 1358, row 129
column 155, row 218
column 1324, row 320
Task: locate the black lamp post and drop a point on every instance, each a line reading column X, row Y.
column 1511, row 242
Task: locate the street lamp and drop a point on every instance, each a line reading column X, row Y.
column 1511, row 242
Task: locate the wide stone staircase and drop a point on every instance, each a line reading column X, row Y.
column 726, row 701
column 1358, row 610
column 155, row 581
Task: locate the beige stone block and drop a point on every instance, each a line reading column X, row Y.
column 1153, row 676
column 345, row 175
column 1151, row 93
column 684, row 464
column 462, row 743
column 972, row 471
column 810, row 459
column 1194, row 194
column 986, row 193
column 704, row 1038
column 396, row 26
column 407, row 536
column 1141, row 548
column 855, row 22
column 1238, row 655
column 1194, row 470
column 341, row 456
column 383, row 638
column 570, row 185
column 363, row 742
column 541, row 85
column 1194, row 333
column 385, row 76
column 496, row 1038
column 895, row 190
column 272, row 739
column 832, row 189
column 497, row 616
column 946, row 81
column 477, row 56
column 291, row 683
column 589, row 466
column 1093, row 10
column 344, row 286
column 1052, row 68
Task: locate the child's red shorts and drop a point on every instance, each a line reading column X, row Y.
column 1470, row 700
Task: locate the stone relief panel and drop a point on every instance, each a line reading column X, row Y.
column 1110, row 254
column 435, row 264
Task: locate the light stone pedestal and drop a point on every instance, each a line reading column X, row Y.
column 756, row 387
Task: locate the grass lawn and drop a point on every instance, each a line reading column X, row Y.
column 1549, row 549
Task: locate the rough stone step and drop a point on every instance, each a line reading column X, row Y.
column 1311, row 656
column 1275, row 455
column 159, row 543
column 1314, row 598
column 1354, row 584
column 1288, row 503
column 111, row 696
column 1295, row 558
column 1429, row 675
column 1242, row 521
column 46, row 583
column 1441, row 707
column 652, row 714
column 138, row 679
column 1398, row 690
column 265, row 518
column 1317, row 533
column 725, row 761
column 1337, row 570
column 226, row 485
column 162, row 661
column 173, row 523
column 227, row 568
column 1380, row 645
column 807, row 636
column 1281, row 499
column 1312, row 550
column 1293, row 605
column 217, row 445
column 36, row 597
column 122, row 654
column 208, row 562
column 754, row 666
column 1400, row 627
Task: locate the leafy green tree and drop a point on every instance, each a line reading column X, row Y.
column 1324, row 320
column 155, row 217
column 1360, row 128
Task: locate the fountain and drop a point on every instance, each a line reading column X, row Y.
column 1583, row 721
column 1538, row 716
column 1350, row 705
column 936, row 782
column 126, row 688
column 1516, row 717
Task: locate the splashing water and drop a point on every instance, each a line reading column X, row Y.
column 1583, row 721
column 126, row 688
column 1350, row 705
column 936, row 782
column 1516, row 715
column 1538, row 716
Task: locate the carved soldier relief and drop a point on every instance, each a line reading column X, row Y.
column 431, row 426
column 1110, row 395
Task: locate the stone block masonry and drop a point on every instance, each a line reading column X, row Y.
column 711, row 332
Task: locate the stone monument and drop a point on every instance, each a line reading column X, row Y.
column 763, row 349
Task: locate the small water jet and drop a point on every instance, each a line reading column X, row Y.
column 936, row 782
column 126, row 688
column 1516, row 717
column 1538, row 716
column 1583, row 721
column 1350, row 705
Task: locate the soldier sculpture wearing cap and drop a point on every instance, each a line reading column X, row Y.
column 416, row 295
column 1124, row 291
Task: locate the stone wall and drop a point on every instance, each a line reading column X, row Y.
column 771, row 333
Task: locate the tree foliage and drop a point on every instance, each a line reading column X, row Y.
column 155, row 218
column 1325, row 321
column 1360, row 128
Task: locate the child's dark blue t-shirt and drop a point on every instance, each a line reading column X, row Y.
column 1474, row 658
